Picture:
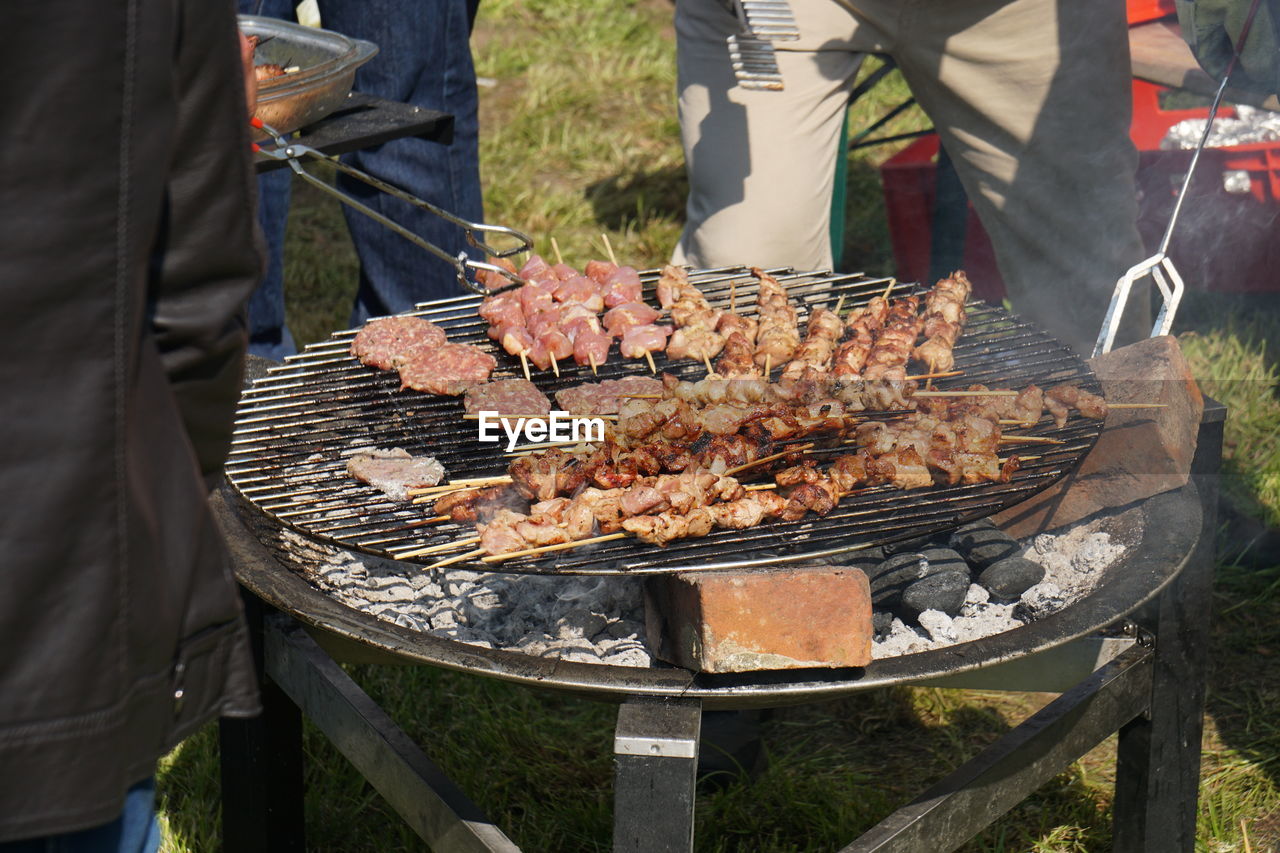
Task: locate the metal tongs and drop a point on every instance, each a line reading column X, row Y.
column 293, row 152
column 1160, row 265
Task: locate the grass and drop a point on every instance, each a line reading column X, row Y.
column 579, row 138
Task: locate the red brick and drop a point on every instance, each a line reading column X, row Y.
column 737, row 621
column 1142, row 452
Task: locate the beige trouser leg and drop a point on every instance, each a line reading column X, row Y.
column 761, row 164
column 1031, row 98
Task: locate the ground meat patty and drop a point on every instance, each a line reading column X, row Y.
column 604, row 398
column 507, row 397
column 449, row 369
column 387, row 341
column 395, row 471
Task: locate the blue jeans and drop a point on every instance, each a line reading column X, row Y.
column 135, row 831
column 424, row 60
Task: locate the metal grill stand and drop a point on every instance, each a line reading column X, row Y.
column 1151, row 694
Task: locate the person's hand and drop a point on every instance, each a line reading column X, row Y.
column 247, row 46
column 1212, row 29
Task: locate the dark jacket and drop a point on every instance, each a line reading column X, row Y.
column 126, row 254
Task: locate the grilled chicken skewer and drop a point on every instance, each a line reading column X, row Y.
column 812, row 359
column 777, row 336
column 944, row 319
column 695, row 334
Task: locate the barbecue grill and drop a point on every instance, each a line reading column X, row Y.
column 296, row 427
column 1151, row 692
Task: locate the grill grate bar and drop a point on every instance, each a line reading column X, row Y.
column 298, row 424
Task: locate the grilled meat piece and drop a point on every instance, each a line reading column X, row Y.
column 507, row 397
column 820, row 340
column 1089, row 405
column 388, row 342
column 394, row 471
column 604, row 398
column 778, row 335
column 449, row 369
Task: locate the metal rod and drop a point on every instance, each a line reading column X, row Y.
column 292, row 153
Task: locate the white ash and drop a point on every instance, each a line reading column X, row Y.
column 1074, row 561
column 601, row 619
column 577, row 618
column 1249, row 126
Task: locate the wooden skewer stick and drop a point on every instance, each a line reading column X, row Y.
column 1031, row 439
column 893, row 282
column 448, row 546
column 794, row 448
column 555, row 366
column 433, row 520
column 434, row 496
column 928, row 385
column 555, row 247
column 562, row 546
column 942, row 375
column 733, row 294
column 608, row 247
column 966, row 393
column 458, row 559
column 711, row 371
column 768, row 364
column 653, row 368
column 525, row 449
column 757, row 487
column 447, row 487
column 524, row 365
column 840, row 303
column 591, row 357
column 507, row 416
column 429, row 494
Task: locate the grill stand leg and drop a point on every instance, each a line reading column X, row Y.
column 1158, row 761
column 996, row 780
column 261, row 765
column 655, row 768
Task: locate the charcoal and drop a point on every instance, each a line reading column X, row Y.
column 891, row 577
column 981, row 524
column 881, row 623
column 579, row 623
column 944, row 591
column 864, row 558
column 920, row 543
column 1011, row 577
column 944, row 559
column 983, row 546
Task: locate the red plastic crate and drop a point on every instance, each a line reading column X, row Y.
column 1141, row 11
column 1226, row 240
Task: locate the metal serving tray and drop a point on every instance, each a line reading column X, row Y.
column 327, row 63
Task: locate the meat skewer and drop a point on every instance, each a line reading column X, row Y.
column 921, row 450
column 944, row 319
column 861, row 327
column 695, row 334
column 894, row 342
column 813, row 357
column 778, row 336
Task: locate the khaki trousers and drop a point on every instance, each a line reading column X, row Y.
column 1030, row 97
